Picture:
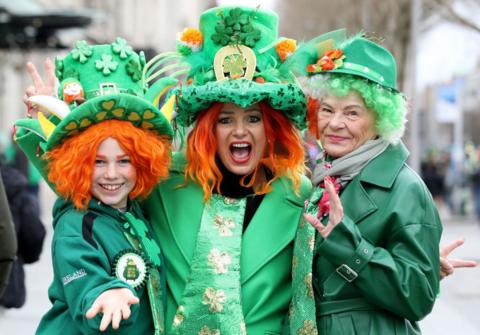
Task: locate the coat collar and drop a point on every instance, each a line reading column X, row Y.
column 382, row 172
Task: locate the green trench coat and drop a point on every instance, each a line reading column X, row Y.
column 267, row 246
column 390, row 238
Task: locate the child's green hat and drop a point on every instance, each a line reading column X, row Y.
column 97, row 83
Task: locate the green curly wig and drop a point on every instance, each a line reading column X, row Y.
column 389, row 106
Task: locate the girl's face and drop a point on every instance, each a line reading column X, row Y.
column 114, row 176
column 344, row 124
column 241, row 140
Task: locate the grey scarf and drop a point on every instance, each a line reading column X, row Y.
column 348, row 166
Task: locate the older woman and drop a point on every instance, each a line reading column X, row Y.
column 371, row 264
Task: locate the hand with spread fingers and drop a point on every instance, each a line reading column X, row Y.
column 40, row 86
column 335, row 213
column 114, row 304
column 448, row 265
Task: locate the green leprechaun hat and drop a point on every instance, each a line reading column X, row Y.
column 97, row 83
column 235, row 56
column 333, row 52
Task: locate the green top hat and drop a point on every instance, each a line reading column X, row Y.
column 236, row 57
column 100, row 82
column 334, row 53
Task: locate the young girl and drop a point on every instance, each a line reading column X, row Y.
column 108, row 149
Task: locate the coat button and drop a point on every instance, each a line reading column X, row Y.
column 357, row 261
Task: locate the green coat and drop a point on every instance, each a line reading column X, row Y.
column 83, row 256
column 390, row 238
column 267, row 246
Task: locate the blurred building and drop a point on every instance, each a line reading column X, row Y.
column 148, row 24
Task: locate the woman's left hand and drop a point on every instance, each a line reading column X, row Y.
column 448, row 265
column 335, row 213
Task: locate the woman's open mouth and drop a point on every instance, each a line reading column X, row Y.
column 240, row 152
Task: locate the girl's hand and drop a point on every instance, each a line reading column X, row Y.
column 40, row 87
column 115, row 306
column 335, row 214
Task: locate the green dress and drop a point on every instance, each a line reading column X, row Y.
column 85, row 248
column 176, row 212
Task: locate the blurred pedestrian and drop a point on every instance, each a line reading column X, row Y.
column 8, row 241
column 30, row 233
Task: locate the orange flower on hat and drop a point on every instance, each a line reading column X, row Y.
column 285, row 48
column 330, row 60
column 189, row 40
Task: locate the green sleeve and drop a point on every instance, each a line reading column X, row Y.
column 84, row 273
column 402, row 274
column 32, row 144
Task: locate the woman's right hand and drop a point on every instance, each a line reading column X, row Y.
column 335, row 214
column 40, row 86
column 115, row 306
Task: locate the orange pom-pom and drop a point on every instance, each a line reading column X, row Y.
column 285, row 47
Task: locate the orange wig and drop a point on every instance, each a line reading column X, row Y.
column 284, row 155
column 71, row 164
column 312, row 120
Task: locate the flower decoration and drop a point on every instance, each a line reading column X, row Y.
column 285, row 48
column 308, row 284
column 219, row 261
column 223, row 225
column 134, row 69
column 189, row 40
column 207, row 331
column 235, row 28
column 82, row 51
column 308, row 328
column 179, row 316
column 214, row 298
column 107, row 65
column 330, row 60
column 121, row 47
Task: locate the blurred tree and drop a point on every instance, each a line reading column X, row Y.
column 387, row 20
column 451, row 11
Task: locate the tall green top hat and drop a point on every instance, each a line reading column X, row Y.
column 334, row 53
column 98, row 82
column 236, row 57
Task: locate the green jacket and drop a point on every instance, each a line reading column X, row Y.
column 83, row 254
column 175, row 213
column 390, row 238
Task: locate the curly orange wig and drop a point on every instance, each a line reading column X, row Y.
column 71, row 164
column 284, row 157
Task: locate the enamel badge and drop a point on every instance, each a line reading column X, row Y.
column 131, row 268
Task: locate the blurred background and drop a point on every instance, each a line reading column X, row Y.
column 437, row 47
